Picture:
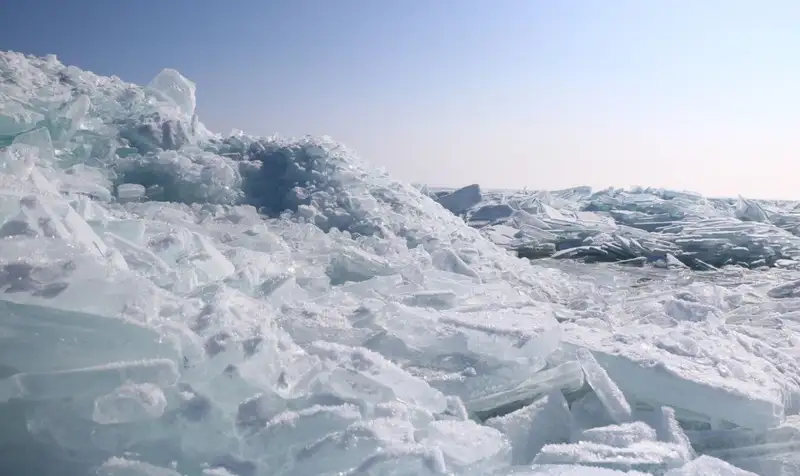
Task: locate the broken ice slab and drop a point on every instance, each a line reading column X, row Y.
column 621, row 436
column 129, row 403
column 659, row 366
column 64, row 121
column 530, row 334
column 772, row 451
column 650, row 457
column 731, row 440
column 408, row 460
column 606, row 390
column 751, row 407
column 546, row 420
column 288, row 432
column 362, row 439
column 669, row 430
column 41, row 339
column 461, row 200
column 195, row 258
column 87, row 381
column 38, row 139
column 567, row 377
column 709, row 466
column 128, row 192
column 357, row 373
column 466, row 445
column 491, row 212
column 173, row 85
column 564, row 470
column 57, row 275
column 17, row 116
column 502, row 235
column 125, row 467
column 34, row 216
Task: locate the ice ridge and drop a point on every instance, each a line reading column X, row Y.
column 638, row 226
column 176, row 302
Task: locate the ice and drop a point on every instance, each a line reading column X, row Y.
column 566, row 470
column 620, row 436
column 87, row 381
column 616, row 225
column 179, row 302
column 567, row 377
column 130, row 402
column 650, row 457
column 606, row 390
column 130, row 191
column 124, row 467
column 546, row 420
column 177, row 88
column 468, row 446
column 461, row 200
column 708, row 466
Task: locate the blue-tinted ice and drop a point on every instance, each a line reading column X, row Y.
column 179, row 302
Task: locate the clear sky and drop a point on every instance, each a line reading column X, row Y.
column 691, row 94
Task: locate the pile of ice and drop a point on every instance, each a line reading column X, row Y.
column 636, row 226
column 176, row 302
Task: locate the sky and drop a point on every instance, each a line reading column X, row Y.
column 545, row 94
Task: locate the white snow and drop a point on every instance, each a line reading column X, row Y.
column 177, row 302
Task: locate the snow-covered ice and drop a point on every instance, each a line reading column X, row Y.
column 176, row 302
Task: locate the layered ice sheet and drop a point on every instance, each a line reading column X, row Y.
column 178, row 302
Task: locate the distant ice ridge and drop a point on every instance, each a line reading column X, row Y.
column 177, row 302
column 636, row 226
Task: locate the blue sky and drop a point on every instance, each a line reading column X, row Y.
column 700, row 95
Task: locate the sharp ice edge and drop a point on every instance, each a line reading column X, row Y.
column 179, row 302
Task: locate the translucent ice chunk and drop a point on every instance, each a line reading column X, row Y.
column 741, row 402
column 669, row 431
column 564, row 470
column 367, row 376
column 129, row 403
column 607, row 391
column 708, row 466
column 17, row 116
column 567, row 377
column 130, row 191
column 546, row 420
column 174, row 86
column 413, row 460
column 620, row 436
column 39, row 139
column 362, row 440
column 466, row 444
column 291, row 431
column 87, row 381
column 36, row 339
column 651, row 457
column 588, row 412
column 126, row 467
column 67, row 119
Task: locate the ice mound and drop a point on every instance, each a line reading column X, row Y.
column 178, row 302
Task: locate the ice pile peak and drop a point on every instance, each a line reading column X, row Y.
column 179, row 302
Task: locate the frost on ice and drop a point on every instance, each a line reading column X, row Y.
column 178, row 302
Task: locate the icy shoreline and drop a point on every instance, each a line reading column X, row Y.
column 178, row 302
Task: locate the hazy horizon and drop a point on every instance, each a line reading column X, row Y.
column 699, row 96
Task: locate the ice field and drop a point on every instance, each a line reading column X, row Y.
column 180, row 302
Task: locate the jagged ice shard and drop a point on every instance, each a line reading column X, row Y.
column 179, row 302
